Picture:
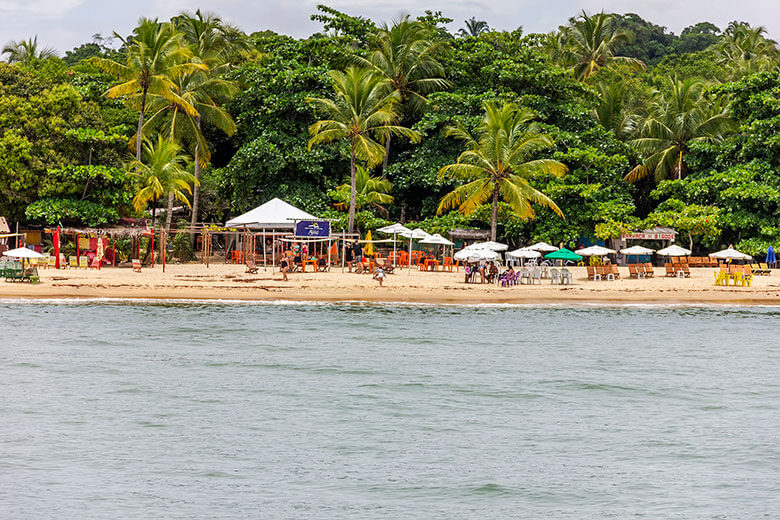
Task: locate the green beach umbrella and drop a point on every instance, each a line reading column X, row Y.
column 564, row 254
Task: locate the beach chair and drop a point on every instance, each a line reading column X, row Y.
column 765, row 269
column 685, row 270
column 633, row 271
column 555, row 277
column 748, row 275
column 615, row 270
column 136, row 265
column 525, row 274
column 649, row 271
column 566, row 277
column 536, row 274
column 51, row 262
column 670, row 271
column 447, row 264
column 95, row 264
column 721, row 278
column 592, row 275
column 251, row 266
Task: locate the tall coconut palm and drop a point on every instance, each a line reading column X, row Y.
column 408, row 55
column 746, row 49
column 682, row 116
column 26, row 52
column 362, row 113
column 474, row 28
column 155, row 54
column 161, row 174
column 371, row 191
column 212, row 41
column 499, row 163
column 611, row 110
column 590, row 43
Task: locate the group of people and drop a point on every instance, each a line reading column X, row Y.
column 488, row 272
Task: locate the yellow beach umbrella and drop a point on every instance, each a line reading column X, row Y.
column 369, row 249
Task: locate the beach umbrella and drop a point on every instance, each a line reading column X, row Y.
column 417, row 234
column 23, row 252
column 476, row 255
column 394, row 229
column 437, row 240
column 674, row 250
column 637, row 251
column 730, row 254
column 594, row 251
column 369, row 249
column 770, row 256
column 493, row 246
column 564, row 254
column 542, row 247
column 524, row 253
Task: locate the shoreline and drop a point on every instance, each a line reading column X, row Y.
column 230, row 283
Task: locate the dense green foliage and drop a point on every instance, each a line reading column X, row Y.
column 654, row 128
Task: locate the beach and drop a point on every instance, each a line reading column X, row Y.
column 231, row 282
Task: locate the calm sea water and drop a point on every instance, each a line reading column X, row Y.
column 112, row 411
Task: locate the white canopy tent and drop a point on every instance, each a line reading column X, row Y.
column 524, row 253
column 274, row 214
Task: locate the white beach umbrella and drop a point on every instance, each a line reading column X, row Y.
column 595, row 251
column 674, row 250
column 415, row 234
column 543, row 247
column 732, row 254
column 475, row 255
column 394, row 229
column 493, row 246
column 637, row 250
column 437, row 239
column 23, row 252
column 524, row 252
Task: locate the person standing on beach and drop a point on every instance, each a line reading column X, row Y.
column 349, row 256
column 379, row 275
column 357, row 250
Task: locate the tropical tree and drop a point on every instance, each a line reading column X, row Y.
column 161, row 174
column 155, row 55
column 362, row 114
column 408, row 55
column 676, row 119
column 589, row 43
column 746, row 49
column 473, row 28
column 611, row 112
column 373, row 191
column 498, row 163
column 211, row 40
column 26, row 52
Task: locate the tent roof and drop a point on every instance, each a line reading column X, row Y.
column 274, row 214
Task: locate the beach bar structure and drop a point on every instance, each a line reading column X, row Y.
column 282, row 222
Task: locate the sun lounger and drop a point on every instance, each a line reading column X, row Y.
column 592, row 273
column 251, row 266
column 649, row 271
column 670, row 273
column 633, row 271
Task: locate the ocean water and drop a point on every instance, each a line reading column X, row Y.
column 230, row 411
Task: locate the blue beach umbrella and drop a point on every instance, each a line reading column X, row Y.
column 770, row 256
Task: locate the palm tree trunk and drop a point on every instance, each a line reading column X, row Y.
column 690, row 241
column 387, row 155
column 195, row 192
column 494, row 215
column 352, row 191
column 169, row 215
column 140, row 126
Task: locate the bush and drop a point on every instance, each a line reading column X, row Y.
column 182, row 249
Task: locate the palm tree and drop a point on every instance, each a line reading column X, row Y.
column 498, row 163
column 155, row 55
column 474, row 28
column 747, row 49
column 408, row 55
column 374, row 191
column 26, row 52
column 162, row 174
column 590, row 43
column 362, row 113
column 683, row 116
column 611, row 110
column 212, row 41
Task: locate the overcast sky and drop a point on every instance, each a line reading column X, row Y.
column 63, row 24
